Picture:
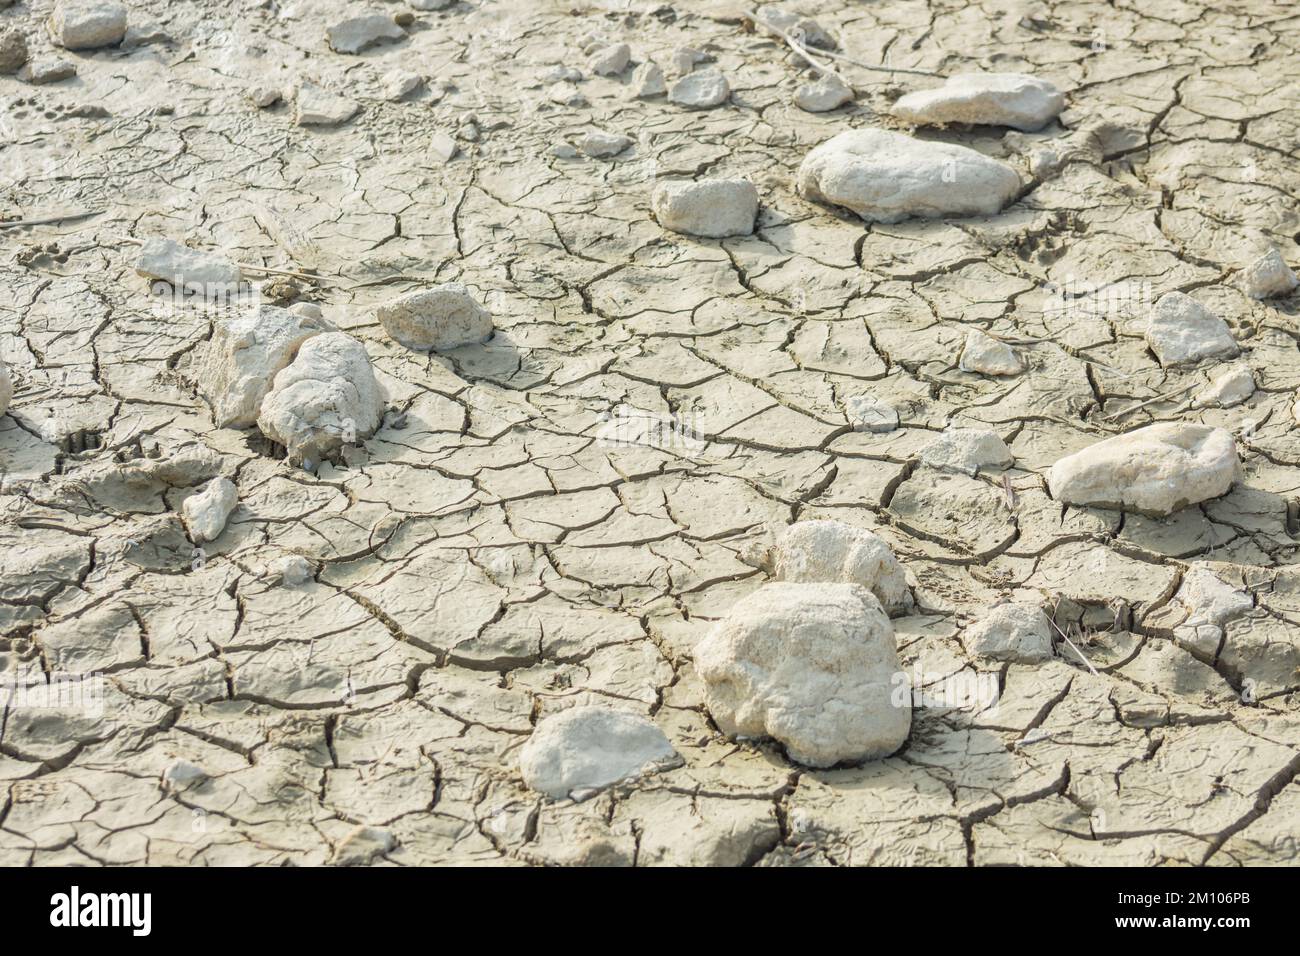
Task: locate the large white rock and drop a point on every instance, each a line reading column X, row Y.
column 986, row 355
column 1154, row 470
column 326, row 398
column 236, row 366
column 88, row 24
column 205, row 513
column 886, row 177
column 968, row 450
column 6, row 388
column 1181, row 331
column 990, row 99
column 1268, row 277
column 810, row 665
column 712, row 208
column 589, row 748
column 443, row 317
column 187, row 268
column 362, row 32
column 1011, row 632
column 833, row 552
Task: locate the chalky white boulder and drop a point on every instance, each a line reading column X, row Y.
column 205, row 513
column 236, row 366
column 1181, row 331
column 1013, row 632
column 986, row 355
column 991, row 99
column 822, row 95
column 1268, row 277
column 834, row 552
column 326, row 398
column 712, row 208
column 887, row 177
column 1231, row 388
column 810, row 665
column 443, row 317
column 1155, row 470
column 590, row 748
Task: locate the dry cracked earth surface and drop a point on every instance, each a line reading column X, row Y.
column 558, row 515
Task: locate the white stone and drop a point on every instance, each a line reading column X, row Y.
column 360, row 33
column 236, row 366
column 13, row 50
column 362, row 845
column 443, row 317
column 187, row 268
column 1154, row 470
column 40, row 72
column 590, row 748
column 990, row 99
column 1181, row 331
column 1208, row 605
column 886, row 177
column 398, row 84
column 701, row 90
column 1231, row 388
column 713, row 208
column 6, row 388
column 832, row 552
column 1268, row 277
column 611, row 60
column 442, row 146
column 866, row 413
column 1018, row 633
column 687, row 58
column 294, row 570
column 181, row 774
column 822, row 95
column 566, row 94
column 600, row 145
column 205, row 513
column 968, row 450
column 326, row 398
column 810, row 665
column 986, row 355
column 87, row 24
column 648, row 81
column 317, row 106
column 264, row 97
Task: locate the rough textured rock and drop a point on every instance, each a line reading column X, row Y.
column 713, row 208
column 88, row 24
column 611, row 60
column 887, row 177
column 590, row 748
column 822, row 94
column 1018, row 633
column 700, row 90
column 1268, row 277
column 48, row 70
column 810, row 665
column 1231, row 388
column 600, row 145
column 1154, row 470
column 187, row 268
column 443, row 317
column 13, row 50
column 991, row 99
column 866, row 413
column 984, row 354
column 833, row 552
column 245, row 353
column 968, row 450
column 317, row 106
column 206, row 512
column 648, row 81
column 1181, row 331
column 363, row 32
column 326, row 398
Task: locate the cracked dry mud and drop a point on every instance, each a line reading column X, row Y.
column 557, row 516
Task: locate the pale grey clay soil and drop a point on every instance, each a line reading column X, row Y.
column 462, row 537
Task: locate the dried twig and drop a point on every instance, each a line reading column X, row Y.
column 1052, row 621
column 46, row 220
column 1151, row 401
column 246, row 266
column 803, row 51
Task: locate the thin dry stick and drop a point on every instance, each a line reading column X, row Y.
column 46, row 220
column 1151, row 401
column 802, row 50
column 248, row 266
column 1052, row 621
column 796, row 46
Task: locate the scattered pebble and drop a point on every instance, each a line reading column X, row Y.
column 712, row 208
column 205, row 513
column 327, row 397
column 701, row 90
column 264, row 97
column 886, row 177
column 822, row 95
column 986, row 355
column 610, row 60
column 1268, row 277
column 443, row 317
column 648, row 81
column 1231, row 388
column 867, row 413
column 562, row 74
column 1017, row 633
column 399, row 84
column 317, row 106
column 360, row 33
column 809, row 665
column 1155, row 470
column 442, row 147
column 88, row 24
column 988, row 99
column 600, row 145
column 590, row 748
column 968, row 450
column 832, row 552
column 565, row 93
column 1181, row 331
